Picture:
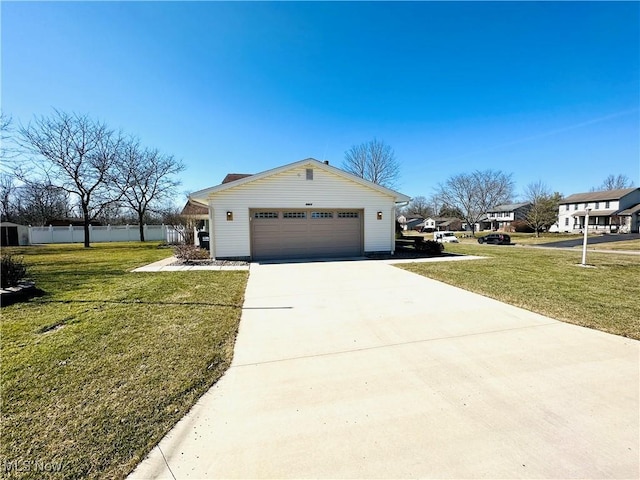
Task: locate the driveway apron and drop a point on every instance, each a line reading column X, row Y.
column 364, row 370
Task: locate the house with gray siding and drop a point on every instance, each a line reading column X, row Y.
column 609, row 211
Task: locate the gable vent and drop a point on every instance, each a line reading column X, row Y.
column 309, row 173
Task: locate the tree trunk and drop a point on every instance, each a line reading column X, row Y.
column 140, row 224
column 87, row 222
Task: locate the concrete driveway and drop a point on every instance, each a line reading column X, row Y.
column 363, row 370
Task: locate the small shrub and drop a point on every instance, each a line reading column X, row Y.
column 432, row 247
column 190, row 253
column 13, row 270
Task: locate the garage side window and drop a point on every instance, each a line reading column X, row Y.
column 294, row 215
column 265, row 215
column 321, row 214
column 348, row 215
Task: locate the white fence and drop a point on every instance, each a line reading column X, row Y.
column 109, row 233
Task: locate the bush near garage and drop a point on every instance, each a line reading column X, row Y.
column 190, row 253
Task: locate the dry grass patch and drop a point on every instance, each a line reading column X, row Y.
column 98, row 370
column 549, row 282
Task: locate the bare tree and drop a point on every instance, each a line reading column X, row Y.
column 420, row 206
column 7, row 153
column 374, row 161
column 475, row 193
column 183, row 225
column 8, row 191
column 544, row 206
column 145, row 179
column 435, row 203
column 75, row 154
column 5, row 122
column 613, row 182
column 37, row 203
column 451, row 212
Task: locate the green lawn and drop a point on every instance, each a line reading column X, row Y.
column 631, row 245
column 98, row 370
column 549, row 282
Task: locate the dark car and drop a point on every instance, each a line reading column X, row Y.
column 496, row 238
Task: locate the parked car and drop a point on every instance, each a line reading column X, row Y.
column 445, row 237
column 496, row 238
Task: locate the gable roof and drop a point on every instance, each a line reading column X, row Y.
column 598, row 196
column 630, row 210
column 508, row 207
column 232, row 177
column 201, row 195
column 192, row 208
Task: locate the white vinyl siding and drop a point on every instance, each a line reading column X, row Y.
column 291, row 189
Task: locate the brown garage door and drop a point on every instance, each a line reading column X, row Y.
column 282, row 234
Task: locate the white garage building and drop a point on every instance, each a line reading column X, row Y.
column 305, row 209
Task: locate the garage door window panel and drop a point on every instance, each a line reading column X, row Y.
column 265, row 215
column 292, row 215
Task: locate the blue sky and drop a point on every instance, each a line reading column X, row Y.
column 544, row 90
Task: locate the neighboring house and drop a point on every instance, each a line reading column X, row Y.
column 300, row 210
column 483, row 223
column 429, row 225
column 501, row 216
column 440, row 224
column 448, row 224
column 609, row 210
column 413, row 223
column 13, row 234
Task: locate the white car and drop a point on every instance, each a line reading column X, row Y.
column 445, row 237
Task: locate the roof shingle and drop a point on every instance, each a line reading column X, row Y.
column 232, row 177
column 597, row 196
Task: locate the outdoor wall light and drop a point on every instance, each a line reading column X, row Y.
column 379, row 215
column 229, row 216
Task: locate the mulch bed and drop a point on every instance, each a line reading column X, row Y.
column 210, row 263
column 400, row 253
